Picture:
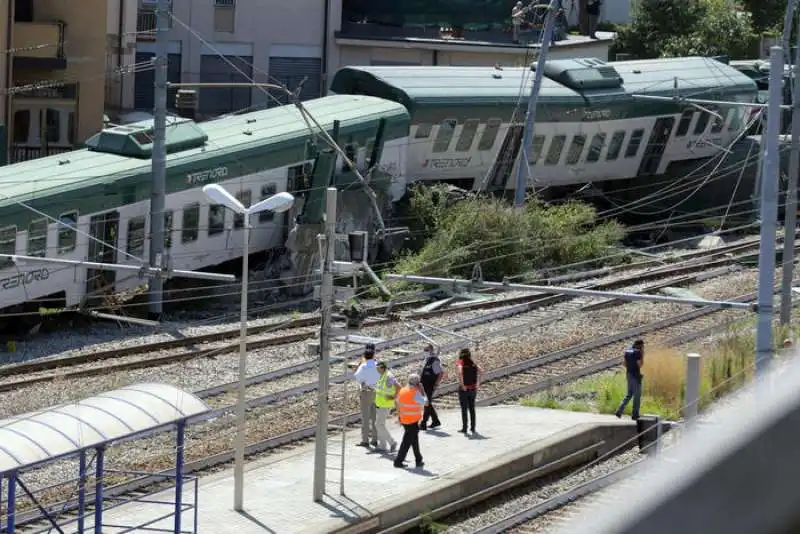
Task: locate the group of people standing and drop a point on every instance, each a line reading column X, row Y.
column 381, row 393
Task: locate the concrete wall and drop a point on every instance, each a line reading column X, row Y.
column 119, row 86
column 4, row 42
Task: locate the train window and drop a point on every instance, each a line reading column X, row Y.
column 702, row 122
column 719, row 122
column 368, row 149
column 615, row 145
column 423, row 131
column 246, row 198
column 136, row 233
column 350, row 152
column 67, row 232
column 633, row 144
column 536, row 148
column 8, row 244
column 554, row 153
column 598, row 141
column 168, row 226
column 216, row 219
column 298, row 177
column 736, row 121
column 266, row 192
column 686, row 121
column 467, row 136
column 37, row 238
column 190, row 227
column 444, row 135
column 489, row 134
column 576, row 149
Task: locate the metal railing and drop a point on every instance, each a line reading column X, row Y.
column 27, row 153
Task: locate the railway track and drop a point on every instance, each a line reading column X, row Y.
column 707, row 263
column 552, row 368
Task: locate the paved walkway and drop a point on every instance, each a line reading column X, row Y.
column 278, row 489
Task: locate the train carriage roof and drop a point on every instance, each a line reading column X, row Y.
column 565, row 82
column 260, row 131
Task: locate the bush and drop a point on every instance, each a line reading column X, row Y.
column 504, row 240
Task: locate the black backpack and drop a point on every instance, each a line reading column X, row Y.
column 470, row 373
column 427, row 374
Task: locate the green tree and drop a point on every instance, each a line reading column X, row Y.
column 767, row 14
column 663, row 28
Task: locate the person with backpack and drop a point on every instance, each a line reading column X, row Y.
column 430, row 377
column 468, row 381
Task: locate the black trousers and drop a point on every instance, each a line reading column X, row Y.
column 430, row 411
column 410, row 441
column 467, row 401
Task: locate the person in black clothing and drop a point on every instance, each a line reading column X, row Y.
column 430, row 376
column 634, row 358
column 468, row 374
column 593, row 12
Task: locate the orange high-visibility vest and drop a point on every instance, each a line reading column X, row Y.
column 409, row 410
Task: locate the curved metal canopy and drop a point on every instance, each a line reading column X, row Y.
column 38, row 437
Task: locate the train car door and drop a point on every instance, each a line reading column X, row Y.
column 656, row 145
column 104, row 230
column 506, row 157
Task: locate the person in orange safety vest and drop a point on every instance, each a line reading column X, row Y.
column 410, row 402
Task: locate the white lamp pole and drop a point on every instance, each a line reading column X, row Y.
column 276, row 203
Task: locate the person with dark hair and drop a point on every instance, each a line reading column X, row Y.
column 634, row 359
column 430, row 376
column 468, row 382
column 367, row 376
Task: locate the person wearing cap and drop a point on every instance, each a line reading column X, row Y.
column 410, row 402
column 385, row 392
column 367, row 376
column 634, row 358
column 430, row 377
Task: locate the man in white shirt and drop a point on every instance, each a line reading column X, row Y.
column 367, row 375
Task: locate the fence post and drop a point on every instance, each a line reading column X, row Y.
column 692, row 387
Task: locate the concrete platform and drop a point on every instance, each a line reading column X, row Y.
column 512, row 441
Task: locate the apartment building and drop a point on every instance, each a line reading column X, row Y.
column 56, row 71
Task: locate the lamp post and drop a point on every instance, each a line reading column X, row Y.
column 277, row 203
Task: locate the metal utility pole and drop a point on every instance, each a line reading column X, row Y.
column 769, row 214
column 326, row 306
column 790, row 217
column 524, row 163
column 159, row 159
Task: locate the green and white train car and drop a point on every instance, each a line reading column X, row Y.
column 591, row 125
column 100, row 195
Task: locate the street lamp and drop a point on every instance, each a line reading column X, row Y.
column 277, row 203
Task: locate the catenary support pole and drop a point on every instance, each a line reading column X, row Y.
column 790, row 219
column 159, row 160
column 81, row 492
column 179, row 443
column 99, row 488
column 11, row 504
column 326, row 305
column 524, row 160
column 241, row 428
column 769, row 215
column 692, row 387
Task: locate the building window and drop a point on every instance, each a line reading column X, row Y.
column 298, row 178
column 633, row 144
column 719, row 122
column 267, row 191
column 596, row 148
column 576, row 149
column 615, row 145
column 37, row 238
column 686, row 121
column 8, row 244
column 445, row 134
column 136, row 227
column 246, row 198
column 489, row 134
column 467, row 136
column 71, row 128
column 554, row 153
column 224, row 16
column 67, row 232
column 216, row 219
column 52, row 128
column 702, row 122
column 22, row 125
column 423, row 131
column 191, row 223
column 536, row 148
column 168, row 226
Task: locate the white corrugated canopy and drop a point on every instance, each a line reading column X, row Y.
column 36, row 437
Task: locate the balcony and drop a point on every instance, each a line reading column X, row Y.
column 21, row 153
column 54, row 90
column 146, row 22
column 39, row 45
